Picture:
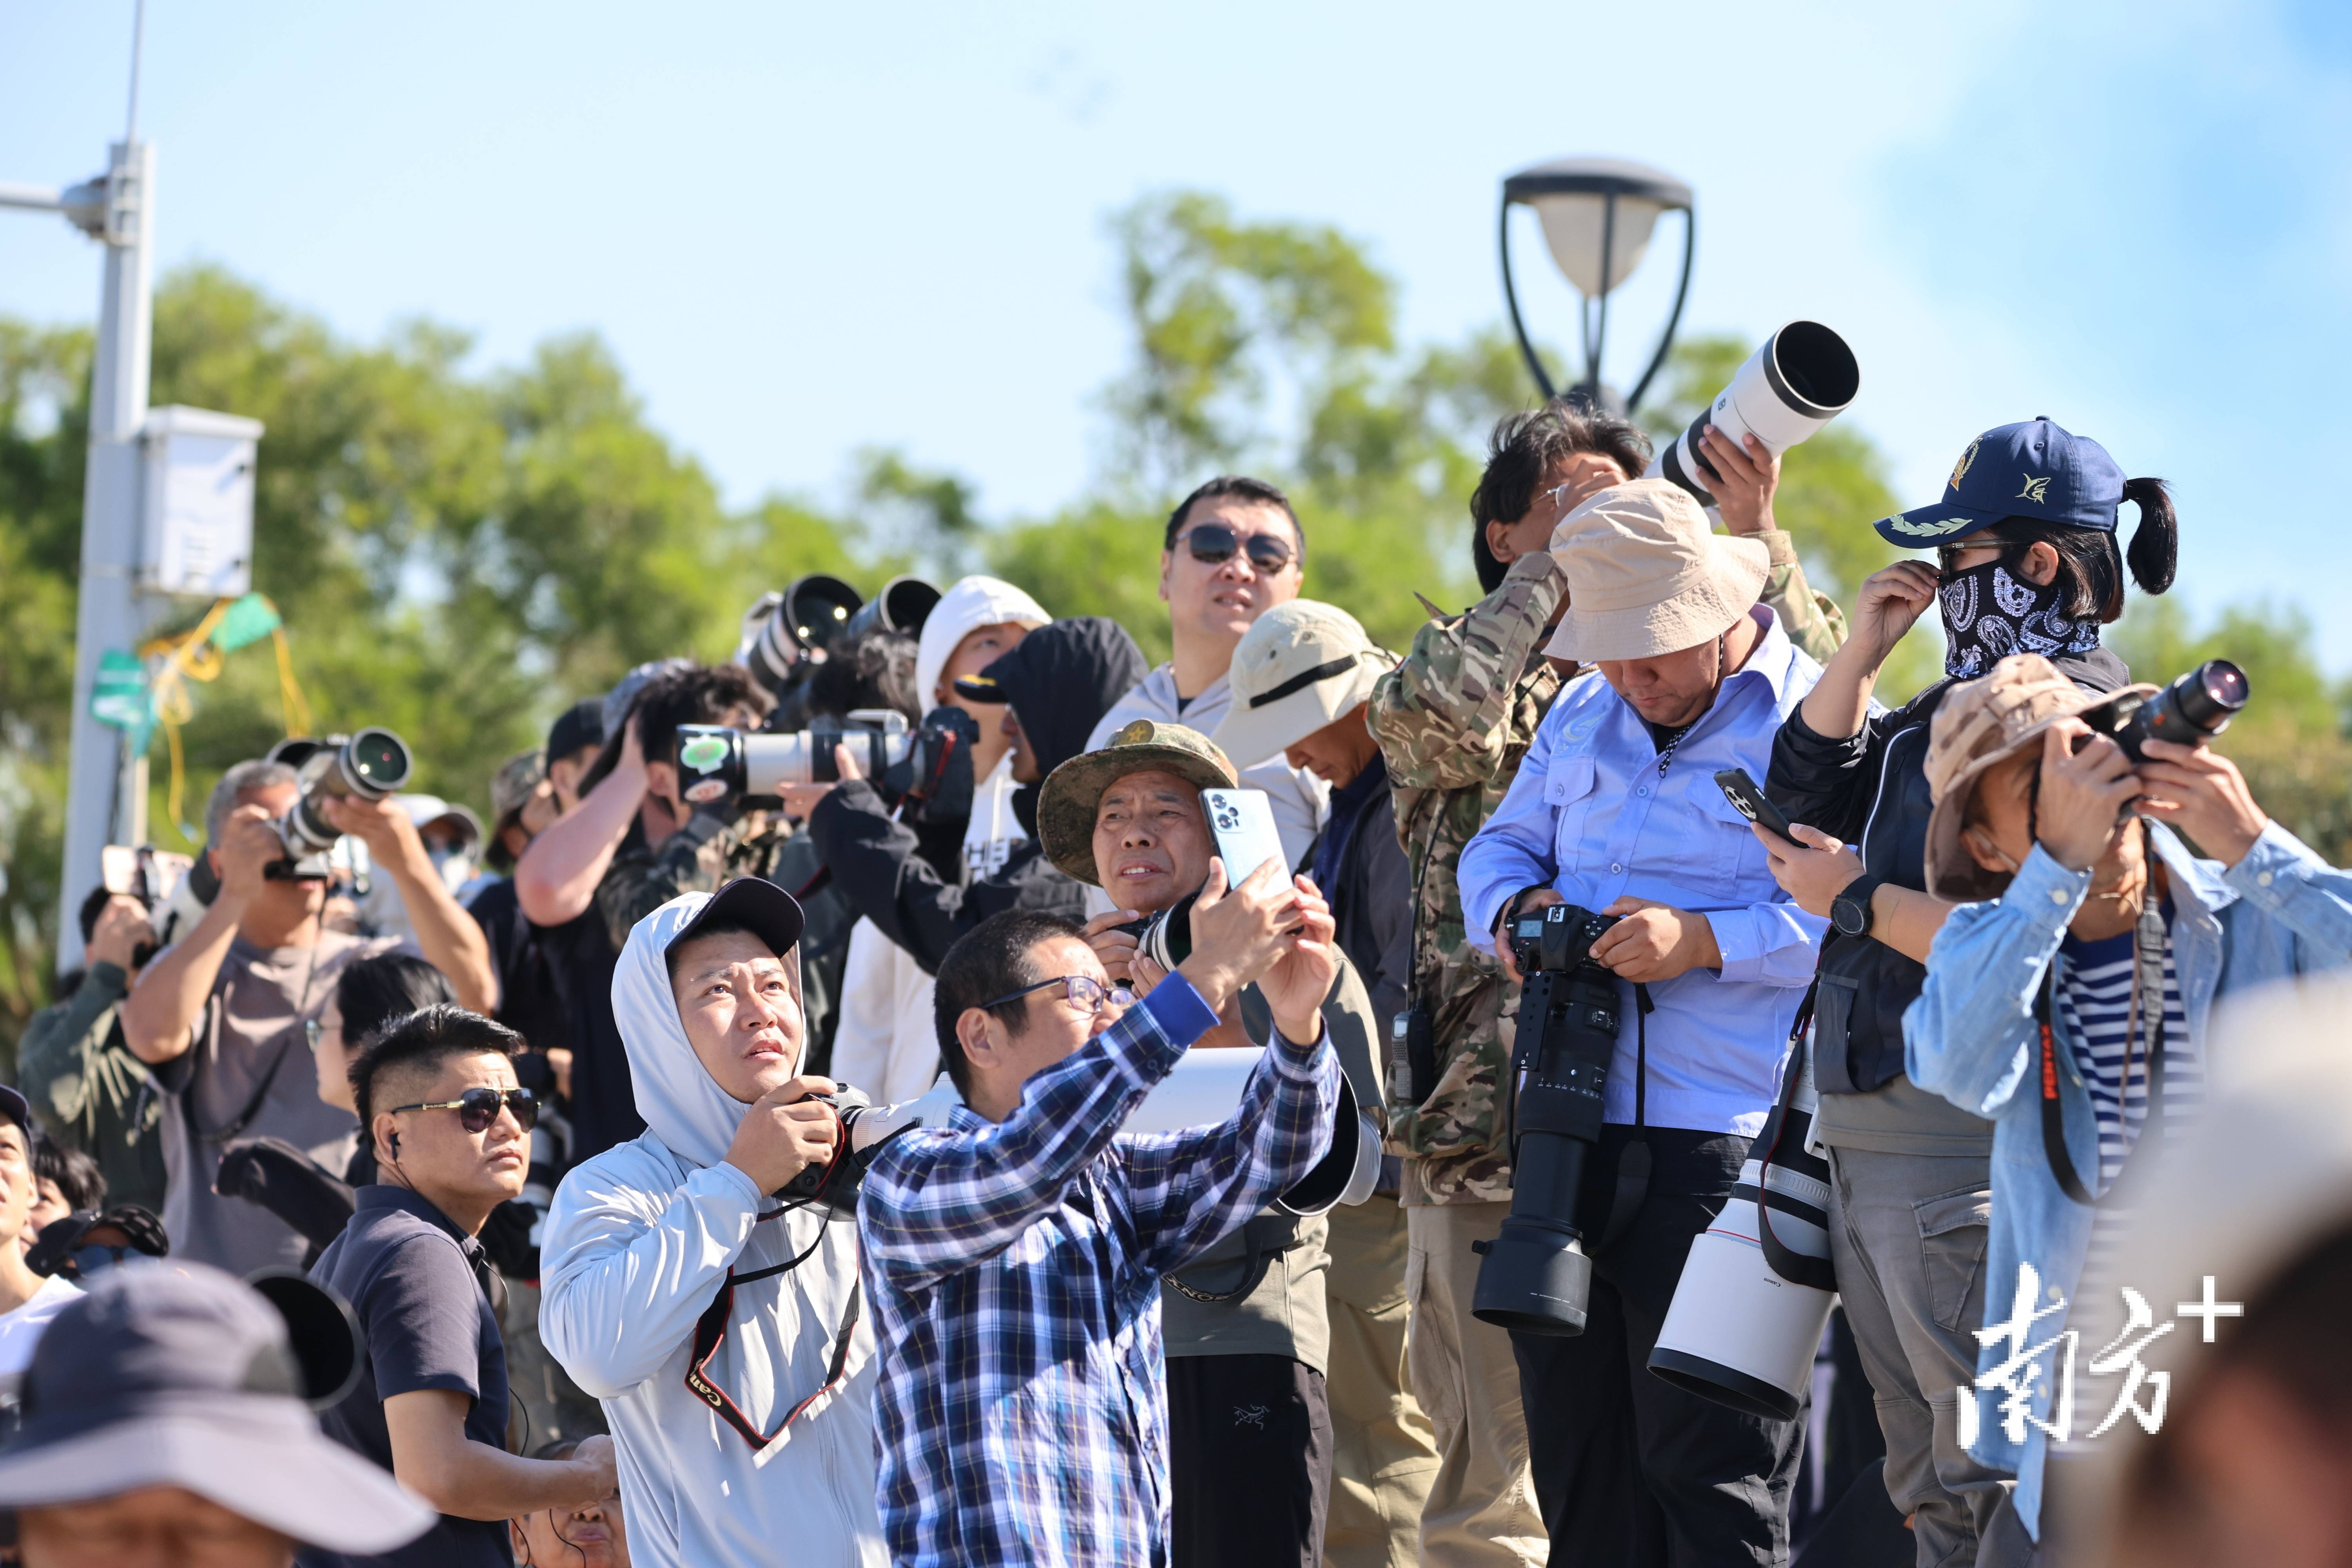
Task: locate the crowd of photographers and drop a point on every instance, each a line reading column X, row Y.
column 879, row 1100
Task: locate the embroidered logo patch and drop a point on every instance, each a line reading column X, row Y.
column 2034, row 490
column 1961, row 468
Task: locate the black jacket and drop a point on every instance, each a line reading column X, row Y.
column 1871, row 789
column 1372, row 902
column 1060, row 680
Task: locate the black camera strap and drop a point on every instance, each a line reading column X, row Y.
column 1797, row 1267
column 1633, row 1162
column 710, row 1332
column 2148, row 950
column 1264, row 1237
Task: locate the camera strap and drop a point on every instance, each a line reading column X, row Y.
column 710, row 1332
column 1264, row 1237
column 1798, row 1268
column 2147, row 952
column 1634, row 1159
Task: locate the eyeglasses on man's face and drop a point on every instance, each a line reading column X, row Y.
column 1214, row 544
column 1083, row 992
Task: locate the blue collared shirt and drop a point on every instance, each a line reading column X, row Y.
column 1590, row 815
column 1022, row 1414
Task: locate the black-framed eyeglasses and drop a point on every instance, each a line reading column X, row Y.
column 477, row 1109
column 1085, row 993
column 1216, row 544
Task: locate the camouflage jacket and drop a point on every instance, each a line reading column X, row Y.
column 697, row 859
column 1454, row 719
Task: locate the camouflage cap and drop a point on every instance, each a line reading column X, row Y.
column 1074, row 792
column 513, row 785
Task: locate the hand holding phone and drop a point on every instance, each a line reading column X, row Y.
column 1750, row 802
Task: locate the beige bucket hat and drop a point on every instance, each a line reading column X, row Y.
column 1981, row 721
column 1298, row 668
column 1073, row 791
column 1648, row 576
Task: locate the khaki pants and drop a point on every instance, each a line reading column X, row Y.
column 1384, row 1453
column 1482, row 1511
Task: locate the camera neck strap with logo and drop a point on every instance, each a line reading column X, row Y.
column 1786, row 1261
column 710, row 1332
column 2146, row 1015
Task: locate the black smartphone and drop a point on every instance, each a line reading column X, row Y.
column 1741, row 791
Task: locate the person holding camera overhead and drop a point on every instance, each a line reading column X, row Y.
column 1615, row 809
column 631, row 844
column 2068, row 998
column 2027, row 561
column 722, row 1327
column 220, row 1013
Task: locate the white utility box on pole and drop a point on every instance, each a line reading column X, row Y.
column 196, row 512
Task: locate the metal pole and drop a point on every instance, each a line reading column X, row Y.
column 106, row 787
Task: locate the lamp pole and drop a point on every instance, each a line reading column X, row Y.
column 1597, row 215
column 106, row 798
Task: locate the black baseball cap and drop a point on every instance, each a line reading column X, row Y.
column 15, row 1108
column 754, row 902
column 180, row 1375
column 580, row 725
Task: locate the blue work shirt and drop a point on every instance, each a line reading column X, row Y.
column 1590, row 815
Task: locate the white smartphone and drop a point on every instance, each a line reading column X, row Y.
column 1242, row 822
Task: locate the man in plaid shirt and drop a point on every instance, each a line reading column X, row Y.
column 1015, row 1257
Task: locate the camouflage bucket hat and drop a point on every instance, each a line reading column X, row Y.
column 512, row 786
column 1074, row 792
column 1979, row 722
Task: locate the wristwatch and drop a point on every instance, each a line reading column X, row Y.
column 1850, row 911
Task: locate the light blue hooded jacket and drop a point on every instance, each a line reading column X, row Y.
column 1971, row 1037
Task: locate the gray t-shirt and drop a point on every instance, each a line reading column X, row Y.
column 248, row 1074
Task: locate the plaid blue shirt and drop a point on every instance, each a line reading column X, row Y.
column 1022, row 1414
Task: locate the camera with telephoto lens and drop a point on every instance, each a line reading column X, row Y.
column 2190, row 711
column 1802, row 377
column 366, row 765
column 929, row 766
column 1535, row 1277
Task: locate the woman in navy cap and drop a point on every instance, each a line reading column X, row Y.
column 2027, row 562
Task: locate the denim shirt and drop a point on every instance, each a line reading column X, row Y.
column 1971, row 1037
column 1589, row 815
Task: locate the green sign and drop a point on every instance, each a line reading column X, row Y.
column 249, row 620
column 118, row 696
column 703, row 752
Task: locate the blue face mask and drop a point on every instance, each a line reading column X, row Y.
column 1989, row 614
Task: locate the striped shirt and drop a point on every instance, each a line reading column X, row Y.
column 2095, row 1000
column 1022, row 1415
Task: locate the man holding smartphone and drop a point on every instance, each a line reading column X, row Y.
column 1246, row 1329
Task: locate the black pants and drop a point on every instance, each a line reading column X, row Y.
column 1628, row 1468
column 1249, row 1461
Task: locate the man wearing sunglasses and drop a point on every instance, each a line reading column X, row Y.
column 451, row 1132
column 1015, row 1255
column 717, row 1317
column 1232, row 550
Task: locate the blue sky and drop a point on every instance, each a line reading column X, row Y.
column 805, row 228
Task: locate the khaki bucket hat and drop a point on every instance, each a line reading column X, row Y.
column 1647, row 574
column 1298, row 668
column 1073, row 791
column 1979, row 723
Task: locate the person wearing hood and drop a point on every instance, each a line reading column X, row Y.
column 722, row 1329
column 884, row 1042
column 1051, row 690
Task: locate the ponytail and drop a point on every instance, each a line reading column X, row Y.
column 2156, row 543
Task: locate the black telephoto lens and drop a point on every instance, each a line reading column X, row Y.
column 2211, row 694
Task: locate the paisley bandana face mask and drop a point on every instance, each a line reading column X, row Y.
column 1989, row 614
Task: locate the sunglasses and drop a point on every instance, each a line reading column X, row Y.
column 477, row 1109
column 1083, row 992
column 1216, row 544
column 1947, row 556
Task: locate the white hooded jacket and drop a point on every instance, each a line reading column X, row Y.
column 885, row 1041
column 638, row 1242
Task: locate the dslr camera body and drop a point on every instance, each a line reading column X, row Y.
column 928, row 767
column 865, row 1127
column 1535, row 1277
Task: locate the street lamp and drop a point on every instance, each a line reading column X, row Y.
column 1597, row 215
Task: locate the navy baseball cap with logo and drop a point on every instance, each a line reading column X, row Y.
column 2033, row 471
